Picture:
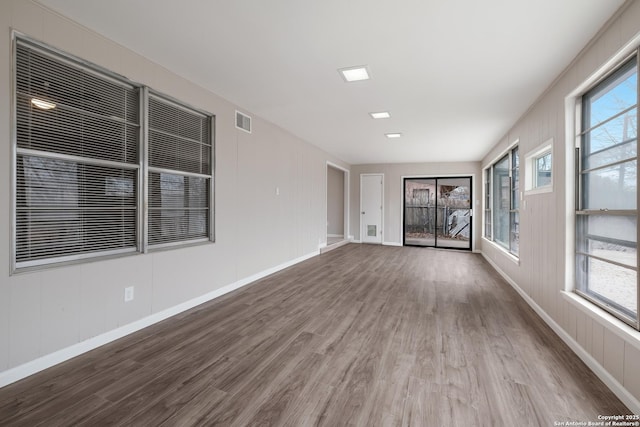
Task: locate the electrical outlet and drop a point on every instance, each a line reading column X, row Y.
column 128, row 294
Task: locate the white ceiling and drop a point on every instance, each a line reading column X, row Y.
column 455, row 74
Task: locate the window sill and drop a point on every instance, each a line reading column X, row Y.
column 505, row 252
column 615, row 325
column 180, row 244
column 70, row 260
column 539, row 190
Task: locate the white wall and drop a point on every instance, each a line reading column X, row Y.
column 335, row 201
column 393, row 173
column 612, row 349
column 45, row 311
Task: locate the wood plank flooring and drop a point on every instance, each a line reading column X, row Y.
column 360, row 336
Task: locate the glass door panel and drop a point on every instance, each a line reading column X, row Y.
column 419, row 211
column 453, row 215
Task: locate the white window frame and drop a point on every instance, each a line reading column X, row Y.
column 487, row 200
column 487, row 175
column 531, row 168
column 574, row 102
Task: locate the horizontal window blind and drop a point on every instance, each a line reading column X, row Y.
column 86, row 183
column 77, row 137
column 180, row 173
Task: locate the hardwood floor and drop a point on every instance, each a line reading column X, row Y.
column 362, row 335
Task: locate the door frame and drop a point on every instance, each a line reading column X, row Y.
column 471, row 176
column 381, row 174
column 347, row 185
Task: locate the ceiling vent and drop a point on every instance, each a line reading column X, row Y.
column 243, row 122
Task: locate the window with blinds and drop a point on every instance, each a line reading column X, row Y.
column 101, row 166
column 179, row 173
column 77, row 160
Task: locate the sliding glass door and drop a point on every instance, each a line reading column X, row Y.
column 437, row 212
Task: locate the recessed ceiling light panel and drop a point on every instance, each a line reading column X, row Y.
column 355, row 74
column 380, row 115
column 393, row 135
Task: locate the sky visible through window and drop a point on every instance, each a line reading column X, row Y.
column 614, row 141
column 617, row 98
column 609, row 103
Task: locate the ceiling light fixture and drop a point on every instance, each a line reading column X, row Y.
column 42, row 104
column 393, row 135
column 380, row 115
column 355, row 74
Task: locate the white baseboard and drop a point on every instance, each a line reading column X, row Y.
column 391, row 244
column 614, row 385
column 19, row 372
column 335, row 235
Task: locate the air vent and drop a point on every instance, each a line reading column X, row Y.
column 243, row 122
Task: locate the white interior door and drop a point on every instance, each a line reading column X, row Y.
column 371, row 208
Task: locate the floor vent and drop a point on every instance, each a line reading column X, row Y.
column 243, row 122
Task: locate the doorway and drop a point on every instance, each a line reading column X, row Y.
column 371, row 213
column 437, row 212
column 337, row 204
